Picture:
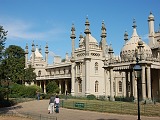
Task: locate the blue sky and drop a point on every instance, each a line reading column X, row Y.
column 50, row 21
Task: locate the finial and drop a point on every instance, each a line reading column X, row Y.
column 80, row 36
column 126, row 36
column 73, row 28
column 87, row 24
column 134, row 23
column 26, row 46
column 103, row 34
column 33, row 43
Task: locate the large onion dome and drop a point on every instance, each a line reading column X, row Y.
column 128, row 51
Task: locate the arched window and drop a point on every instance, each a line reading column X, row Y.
column 120, row 86
column 80, row 86
column 96, row 67
column 39, row 73
column 96, row 86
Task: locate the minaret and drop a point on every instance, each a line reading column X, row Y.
column 87, row 32
column 103, row 36
column 33, row 53
column 87, row 58
column 73, row 36
column 134, row 29
column 46, row 53
column 151, row 30
column 26, row 56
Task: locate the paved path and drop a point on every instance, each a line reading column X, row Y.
column 40, row 107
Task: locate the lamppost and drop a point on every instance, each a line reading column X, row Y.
column 137, row 68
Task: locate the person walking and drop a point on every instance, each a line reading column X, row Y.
column 51, row 104
column 56, row 104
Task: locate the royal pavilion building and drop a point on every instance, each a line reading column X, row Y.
column 93, row 68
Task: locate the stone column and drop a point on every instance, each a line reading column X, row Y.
column 149, row 82
column 40, row 84
column 133, row 84
column 143, row 83
column 116, row 87
column 66, row 86
column 60, row 92
column 124, row 87
column 44, row 87
column 127, row 93
column 135, row 88
column 111, row 84
column 73, row 78
column 87, row 80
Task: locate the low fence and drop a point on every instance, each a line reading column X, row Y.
column 113, row 107
column 32, row 116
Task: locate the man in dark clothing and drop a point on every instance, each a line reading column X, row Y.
column 51, row 104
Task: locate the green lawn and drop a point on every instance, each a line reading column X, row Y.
column 112, row 107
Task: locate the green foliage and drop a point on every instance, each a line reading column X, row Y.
column 102, row 98
column 12, row 66
column 63, row 60
column 3, row 38
column 52, row 87
column 18, row 90
column 2, row 94
column 91, row 97
column 30, row 75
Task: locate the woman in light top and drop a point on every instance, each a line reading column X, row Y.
column 56, row 101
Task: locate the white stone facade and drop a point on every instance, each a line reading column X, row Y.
column 94, row 69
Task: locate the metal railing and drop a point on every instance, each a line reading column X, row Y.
column 113, row 107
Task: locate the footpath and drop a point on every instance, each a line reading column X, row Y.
column 41, row 107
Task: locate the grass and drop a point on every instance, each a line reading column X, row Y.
column 113, row 107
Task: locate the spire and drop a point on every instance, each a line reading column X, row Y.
column 103, row 34
column 80, row 36
column 151, row 17
column 33, row 49
column 46, row 48
column 40, row 50
column 26, row 48
column 126, row 36
column 73, row 36
column 134, row 29
column 87, row 24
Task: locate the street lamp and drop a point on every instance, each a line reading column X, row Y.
column 137, row 68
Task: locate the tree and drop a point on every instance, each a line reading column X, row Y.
column 52, row 87
column 3, row 38
column 30, row 75
column 12, row 66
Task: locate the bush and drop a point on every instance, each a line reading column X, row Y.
column 18, row 90
column 52, row 87
column 91, row 97
column 102, row 98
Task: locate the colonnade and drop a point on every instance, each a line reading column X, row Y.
column 64, row 85
column 130, row 80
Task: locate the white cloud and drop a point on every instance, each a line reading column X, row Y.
column 24, row 30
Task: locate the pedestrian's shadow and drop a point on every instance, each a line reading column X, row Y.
column 106, row 119
column 7, row 109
